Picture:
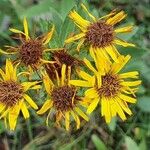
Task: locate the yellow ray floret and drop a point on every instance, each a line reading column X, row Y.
column 17, row 98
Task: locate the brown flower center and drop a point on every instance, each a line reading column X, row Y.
column 63, row 57
column 99, row 34
column 110, row 86
column 10, row 93
column 31, row 52
column 64, row 98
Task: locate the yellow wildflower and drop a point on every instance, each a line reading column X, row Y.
column 63, row 99
column 100, row 33
column 13, row 95
column 109, row 88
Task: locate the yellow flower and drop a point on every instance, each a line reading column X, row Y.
column 109, row 88
column 63, row 99
column 100, row 33
column 13, row 95
column 30, row 51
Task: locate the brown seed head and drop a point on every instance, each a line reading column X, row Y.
column 63, row 98
column 31, row 52
column 110, row 86
column 10, row 93
column 62, row 57
column 99, row 34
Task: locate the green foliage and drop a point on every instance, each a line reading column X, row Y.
column 98, row 143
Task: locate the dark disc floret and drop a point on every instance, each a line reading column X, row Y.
column 64, row 98
column 63, row 57
column 31, row 52
column 99, row 34
column 110, row 86
column 10, row 93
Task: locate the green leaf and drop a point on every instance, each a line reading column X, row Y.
column 144, row 103
column 99, row 144
column 66, row 29
column 64, row 7
column 112, row 124
column 41, row 9
column 142, row 145
column 131, row 144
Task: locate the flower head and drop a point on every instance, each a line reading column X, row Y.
column 61, row 57
column 30, row 51
column 100, row 33
column 109, row 88
column 63, row 99
column 13, row 96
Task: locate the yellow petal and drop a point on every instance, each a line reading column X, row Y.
column 127, row 98
column 102, row 61
column 81, row 113
column 107, row 111
column 47, row 118
column 74, row 38
column 16, row 31
column 48, row 84
column 76, row 118
column 2, row 74
column 124, row 106
column 36, row 87
column 47, row 105
column 25, row 111
column 30, row 101
column 120, row 111
column 78, row 19
column 91, row 93
column 99, row 80
column 9, row 69
column 80, row 43
column 13, row 115
column 47, row 61
column 68, row 74
column 7, row 53
column 116, row 67
column 80, row 83
column 124, row 29
column 103, row 106
column 113, row 12
column 117, row 18
column 28, row 85
column 4, row 114
column 52, row 49
column 133, row 74
column 2, row 107
column 131, row 83
column 25, row 25
column 84, row 75
column 112, row 53
column 86, row 10
column 92, row 106
column 67, row 120
column 89, row 65
column 63, row 74
column 48, row 37
column 123, row 43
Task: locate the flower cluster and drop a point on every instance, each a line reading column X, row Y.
column 63, row 76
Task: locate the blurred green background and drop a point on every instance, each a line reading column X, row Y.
column 133, row 134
